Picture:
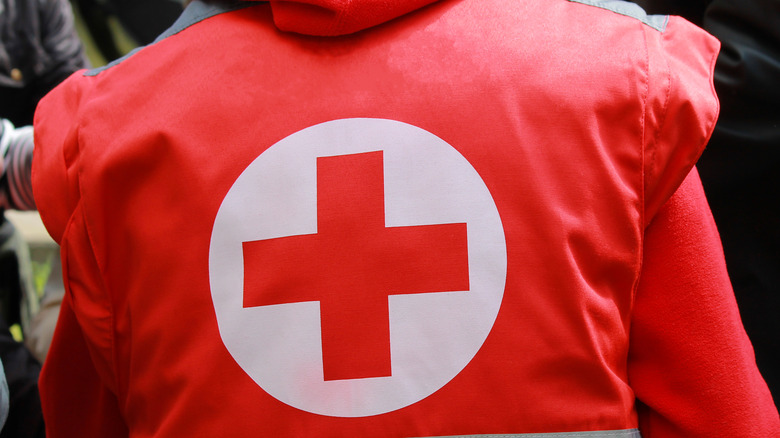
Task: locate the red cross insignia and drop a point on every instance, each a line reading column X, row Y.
column 356, row 267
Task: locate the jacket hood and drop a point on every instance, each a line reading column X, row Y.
column 338, row 17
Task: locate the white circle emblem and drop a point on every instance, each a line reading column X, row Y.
column 433, row 334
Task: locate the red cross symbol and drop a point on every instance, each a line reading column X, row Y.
column 353, row 264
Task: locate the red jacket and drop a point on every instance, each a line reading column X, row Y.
column 449, row 219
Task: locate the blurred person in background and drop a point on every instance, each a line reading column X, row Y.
column 39, row 48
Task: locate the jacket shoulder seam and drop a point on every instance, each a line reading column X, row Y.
column 194, row 14
column 657, row 22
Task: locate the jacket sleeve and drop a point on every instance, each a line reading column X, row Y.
column 690, row 362
column 79, row 379
column 739, row 167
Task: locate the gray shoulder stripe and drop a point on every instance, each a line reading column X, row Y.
column 196, row 12
column 657, row 22
column 199, row 10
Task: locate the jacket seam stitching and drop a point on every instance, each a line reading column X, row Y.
column 110, row 298
column 643, row 176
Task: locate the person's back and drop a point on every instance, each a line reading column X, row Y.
column 433, row 225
